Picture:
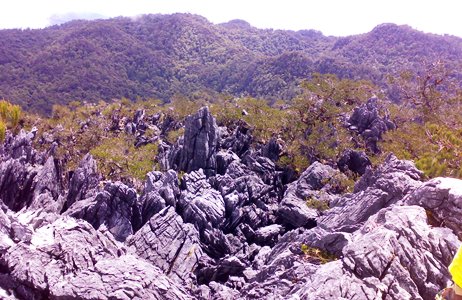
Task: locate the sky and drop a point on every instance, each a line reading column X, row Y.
column 331, row 17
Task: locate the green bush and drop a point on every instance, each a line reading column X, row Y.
column 316, row 255
column 117, row 158
column 317, row 204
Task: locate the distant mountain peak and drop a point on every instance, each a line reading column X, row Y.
column 237, row 23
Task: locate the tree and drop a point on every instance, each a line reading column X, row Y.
column 429, row 121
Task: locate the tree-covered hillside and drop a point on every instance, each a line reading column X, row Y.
column 162, row 56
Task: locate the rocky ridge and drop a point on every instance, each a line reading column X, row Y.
column 222, row 221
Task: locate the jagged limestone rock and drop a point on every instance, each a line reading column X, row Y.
column 169, row 244
column 442, row 198
column 200, row 145
column 84, row 181
column 114, row 207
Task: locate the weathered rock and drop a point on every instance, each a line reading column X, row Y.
column 84, row 181
column 114, row 207
column 224, row 159
column 125, row 277
column 47, row 189
column 20, row 146
column 200, row 144
column 293, row 208
column 355, row 161
column 296, row 213
column 264, row 167
column 16, row 183
column 272, row 149
column 161, row 190
column 169, row 244
column 394, row 176
column 395, row 255
column 239, row 141
column 442, row 197
column 199, row 204
column 377, row 189
column 247, row 198
column 268, row 235
column 367, row 122
column 23, row 185
column 68, row 259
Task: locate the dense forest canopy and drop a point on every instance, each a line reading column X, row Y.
column 165, row 56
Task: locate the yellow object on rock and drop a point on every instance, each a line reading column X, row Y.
column 455, row 268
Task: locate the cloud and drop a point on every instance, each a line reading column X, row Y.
column 57, row 19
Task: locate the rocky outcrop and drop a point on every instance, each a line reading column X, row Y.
column 442, row 198
column 199, row 204
column 27, row 180
column 376, row 189
column 315, row 183
column 160, row 190
column 169, row 244
column 69, row 259
column 355, row 161
column 368, row 123
column 84, row 181
column 395, row 255
column 199, row 145
column 224, row 223
column 114, row 207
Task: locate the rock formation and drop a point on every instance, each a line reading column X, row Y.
column 223, row 223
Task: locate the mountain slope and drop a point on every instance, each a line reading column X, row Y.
column 159, row 56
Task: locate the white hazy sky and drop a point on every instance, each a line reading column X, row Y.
column 332, row 17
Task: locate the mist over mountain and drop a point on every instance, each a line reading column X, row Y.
column 160, row 56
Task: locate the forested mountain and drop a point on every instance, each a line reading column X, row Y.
column 160, row 56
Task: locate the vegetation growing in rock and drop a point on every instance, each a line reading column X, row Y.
column 118, row 158
column 317, row 256
column 317, row 204
column 10, row 116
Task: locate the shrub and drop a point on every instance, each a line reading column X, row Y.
column 317, row 204
column 316, row 255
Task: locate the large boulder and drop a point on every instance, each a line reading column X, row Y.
column 169, row 244
column 69, row 259
column 442, row 198
column 316, row 182
column 114, row 207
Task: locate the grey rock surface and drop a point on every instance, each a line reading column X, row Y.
column 366, row 120
column 199, row 203
column 442, row 198
column 200, row 145
column 376, row 189
column 395, row 255
column 69, row 259
column 169, row 244
column 314, row 183
column 355, row 161
column 84, row 181
column 114, row 207
column 160, row 190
